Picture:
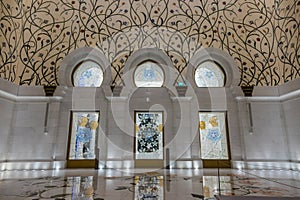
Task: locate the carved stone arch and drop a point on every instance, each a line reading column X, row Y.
column 72, row 60
column 224, row 60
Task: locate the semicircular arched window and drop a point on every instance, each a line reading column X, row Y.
column 148, row 74
column 88, row 74
column 209, row 74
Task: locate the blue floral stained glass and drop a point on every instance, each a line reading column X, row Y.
column 148, row 74
column 88, row 74
column 213, row 137
column 209, row 74
column 149, row 135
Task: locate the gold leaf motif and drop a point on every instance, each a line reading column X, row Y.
column 160, row 127
column 83, row 121
column 94, row 125
column 202, row 125
column 214, row 121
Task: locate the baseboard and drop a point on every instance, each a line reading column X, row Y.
column 266, row 165
column 32, row 165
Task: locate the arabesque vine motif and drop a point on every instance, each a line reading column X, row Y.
column 262, row 36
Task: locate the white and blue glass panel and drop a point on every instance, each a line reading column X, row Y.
column 209, row 74
column 88, row 74
column 83, row 135
column 148, row 74
column 213, row 137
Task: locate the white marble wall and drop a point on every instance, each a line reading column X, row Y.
column 291, row 109
column 25, row 143
column 7, row 116
column 273, row 142
column 267, row 141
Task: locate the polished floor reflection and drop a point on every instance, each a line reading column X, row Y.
column 88, row 184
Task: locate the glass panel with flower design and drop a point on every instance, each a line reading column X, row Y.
column 88, row 74
column 213, row 136
column 209, row 74
column 148, row 74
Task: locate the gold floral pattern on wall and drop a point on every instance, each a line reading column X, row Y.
column 262, row 36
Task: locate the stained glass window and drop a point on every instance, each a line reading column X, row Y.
column 149, row 135
column 88, row 74
column 209, row 74
column 213, row 135
column 148, row 74
column 83, row 135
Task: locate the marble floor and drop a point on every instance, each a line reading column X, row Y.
column 176, row 184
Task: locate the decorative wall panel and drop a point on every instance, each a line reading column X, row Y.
column 149, row 135
column 83, row 135
column 213, row 135
column 262, row 36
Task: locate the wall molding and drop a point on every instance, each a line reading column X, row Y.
column 15, row 98
column 281, row 98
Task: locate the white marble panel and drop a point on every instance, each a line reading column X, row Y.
column 265, row 91
column 185, row 152
column 267, row 141
column 29, row 131
column 292, row 119
column 31, row 91
column 31, row 147
column 115, row 148
column 265, row 147
column 8, row 86
column 33, row 138
column 289, row 86
column 30, row 119
column 6, row 118
column 63, row 134
column 60, row 151
column 22, row 156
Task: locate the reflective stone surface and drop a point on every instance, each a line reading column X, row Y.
column 89, row 184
